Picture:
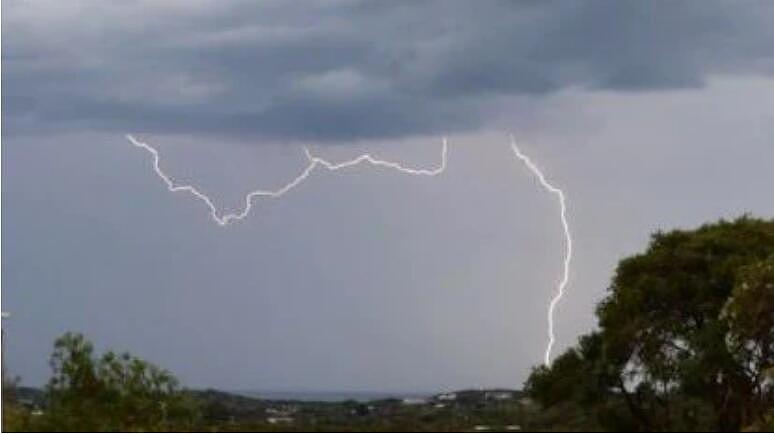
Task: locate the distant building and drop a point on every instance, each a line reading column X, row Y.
column 282, row 410
column 362, row 410
column 281, row 415
column 498, row 395
column 447, row 396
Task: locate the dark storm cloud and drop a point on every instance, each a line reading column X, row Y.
column 350, row 70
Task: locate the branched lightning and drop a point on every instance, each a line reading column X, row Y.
column 567, row 237
column 224, row 219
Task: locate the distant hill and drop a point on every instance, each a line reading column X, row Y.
column 495, row 409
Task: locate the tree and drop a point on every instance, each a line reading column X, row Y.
column 16, row 418
column 749, row 313
column 111, row 393
column 685, row 333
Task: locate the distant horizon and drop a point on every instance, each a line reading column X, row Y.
column 328, row 395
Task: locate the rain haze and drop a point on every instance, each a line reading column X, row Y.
column 649, row 115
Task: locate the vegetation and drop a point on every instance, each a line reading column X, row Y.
column 685, row 343
column 15, row 416
column 685, row 339
column 109, row 393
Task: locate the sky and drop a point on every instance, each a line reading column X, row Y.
column 650, row 116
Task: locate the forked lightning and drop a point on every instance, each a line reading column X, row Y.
column 223, row 219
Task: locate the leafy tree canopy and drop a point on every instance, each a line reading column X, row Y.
column 685, row 339
column 111, row 393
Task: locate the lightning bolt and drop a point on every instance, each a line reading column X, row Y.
column 567, row 237
column 223, row 219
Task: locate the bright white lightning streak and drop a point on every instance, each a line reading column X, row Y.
column 567, row 237
column 224, row 219
column 314, row 161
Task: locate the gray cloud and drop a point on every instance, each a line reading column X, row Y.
column 350, row 70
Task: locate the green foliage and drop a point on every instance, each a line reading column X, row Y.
column 685, row 339
column 749, row 314
column 15, row 417
column 112, row 392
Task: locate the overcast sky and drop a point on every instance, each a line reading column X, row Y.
column 651, row 115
